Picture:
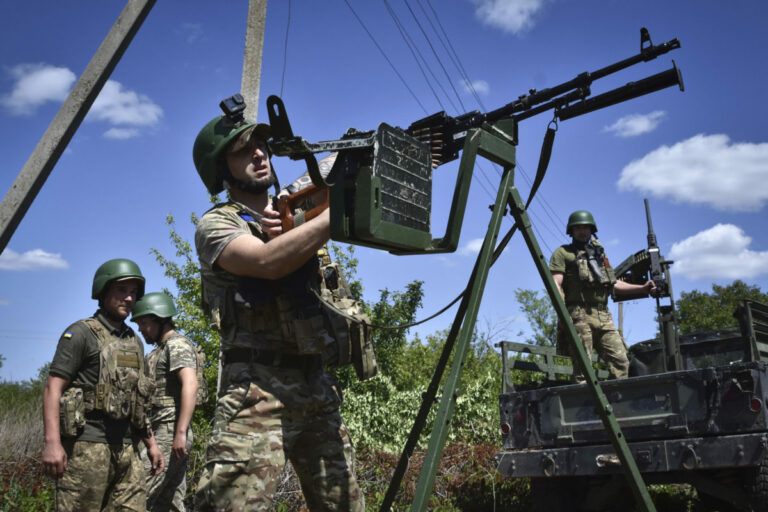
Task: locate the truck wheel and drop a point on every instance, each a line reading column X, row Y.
column 757, row 487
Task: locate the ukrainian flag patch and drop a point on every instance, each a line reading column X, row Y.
column 67, row 335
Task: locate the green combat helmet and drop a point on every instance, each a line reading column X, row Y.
column 217, row 135
column 120, row 268
column 581, row 218
column 155, row 303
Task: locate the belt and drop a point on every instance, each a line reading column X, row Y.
column 271, row 358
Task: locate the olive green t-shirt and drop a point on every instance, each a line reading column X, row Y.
column 77, row 360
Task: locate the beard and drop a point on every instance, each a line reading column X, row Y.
column 252, row 185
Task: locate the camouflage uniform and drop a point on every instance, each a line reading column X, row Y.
column 166, row 491
column 276, row 402
column 586, row 297
column 104, row 470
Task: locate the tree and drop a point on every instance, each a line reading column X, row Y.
column 1, row 360
column 540, row 314
column 701, row 311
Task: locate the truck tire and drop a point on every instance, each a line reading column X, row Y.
column 757, row 487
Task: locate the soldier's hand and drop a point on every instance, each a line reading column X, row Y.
column 156, row 458
column 54, row 460
column 271, row 222
column 179, row 448
column 650, row 287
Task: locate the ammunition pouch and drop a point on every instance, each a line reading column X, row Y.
column 71, row 412
column 350, row 341
column 141, row 408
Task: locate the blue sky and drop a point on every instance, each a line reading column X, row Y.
column 701, row 157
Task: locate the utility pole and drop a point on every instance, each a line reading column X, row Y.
column 621, row 318
column 254, row 44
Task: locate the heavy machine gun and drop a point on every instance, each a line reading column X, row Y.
column 644, row 265
column 650, row 264
column 380, row 195
column 381, row 183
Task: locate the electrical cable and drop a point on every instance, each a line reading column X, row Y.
column 385, row 56
column 413, row 49
column 437, row 57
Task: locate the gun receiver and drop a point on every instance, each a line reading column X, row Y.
column 644, row 265
column 380, row 187
column 446, row 134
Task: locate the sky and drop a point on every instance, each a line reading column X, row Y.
column 699, row 156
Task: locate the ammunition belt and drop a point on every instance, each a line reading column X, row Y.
column 271, row 358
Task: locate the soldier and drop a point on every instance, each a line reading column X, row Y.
column 95, row 401
column 259, row 288
column 585, row 279
column 174, row 367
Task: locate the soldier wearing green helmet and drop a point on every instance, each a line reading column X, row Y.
column 95, row 402
column 275, row 400
column 585, row 279
column 175, row 366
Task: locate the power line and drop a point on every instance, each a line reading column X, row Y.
column 414, row 49
column 385, row 56
column 451, row 52
column 437, row 57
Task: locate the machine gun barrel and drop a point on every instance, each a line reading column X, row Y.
column 632, row 90
column 651, row 234
column 445, row 134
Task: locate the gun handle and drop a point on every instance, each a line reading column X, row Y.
column 318, row 197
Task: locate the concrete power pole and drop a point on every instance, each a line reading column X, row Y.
column 254, row 44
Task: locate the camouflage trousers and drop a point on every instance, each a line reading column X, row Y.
column 101, row 477
column 166, row 491
column 597, row 332
column 267, row 416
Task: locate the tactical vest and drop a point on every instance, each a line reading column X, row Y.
column 588, row 283
column 168, row 391
column 122, row 390
column 284, row 311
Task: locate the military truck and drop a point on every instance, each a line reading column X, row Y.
column 692, row 411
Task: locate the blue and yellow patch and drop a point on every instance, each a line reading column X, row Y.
column 67, row 335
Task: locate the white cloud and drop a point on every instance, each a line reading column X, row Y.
column 636, row 124
column 36, row 259
column 705, row 169
column 192, row 32
column 478, row 86
column 121, row 133
column 5, row 302
column 513, row 16
column 471, row 247
column 36, row 84
column 720, row 252
column 120, row 106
